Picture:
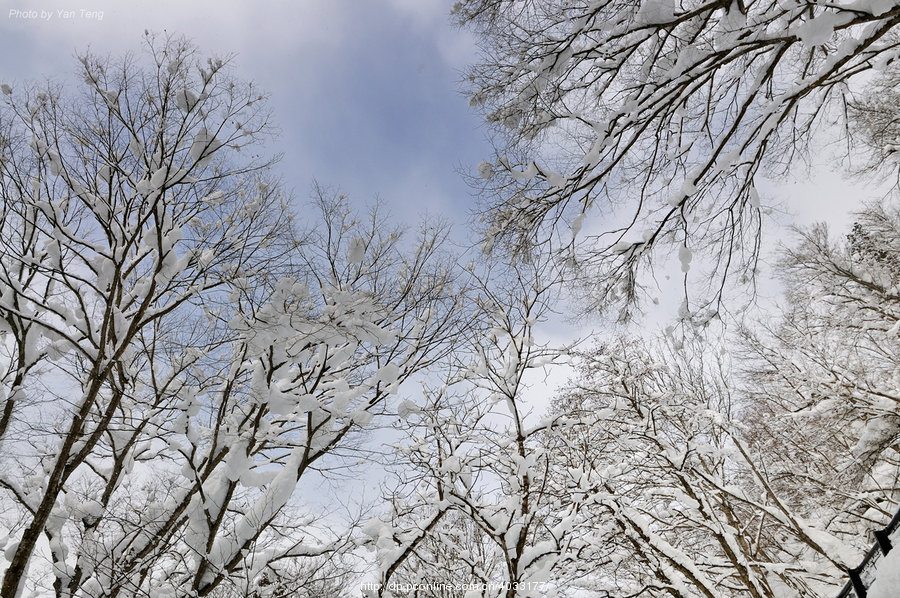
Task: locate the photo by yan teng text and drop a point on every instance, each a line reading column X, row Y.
column 34, row 14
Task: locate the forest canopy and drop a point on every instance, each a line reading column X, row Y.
column 186, row 347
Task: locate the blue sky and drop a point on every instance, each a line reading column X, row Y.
column 366, row 92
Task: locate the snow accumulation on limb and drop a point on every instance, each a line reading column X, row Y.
column 678, row 107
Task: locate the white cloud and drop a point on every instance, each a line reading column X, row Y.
column 424, row 12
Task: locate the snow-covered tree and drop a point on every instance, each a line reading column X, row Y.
column 177, row 353
column 760, row 477
column 823, row 379
column 474, row 508
column 323, row 577
column 659, row 115
column 681, row 501
column 875, row 125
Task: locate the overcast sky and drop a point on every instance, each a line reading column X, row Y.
column 366, row 93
